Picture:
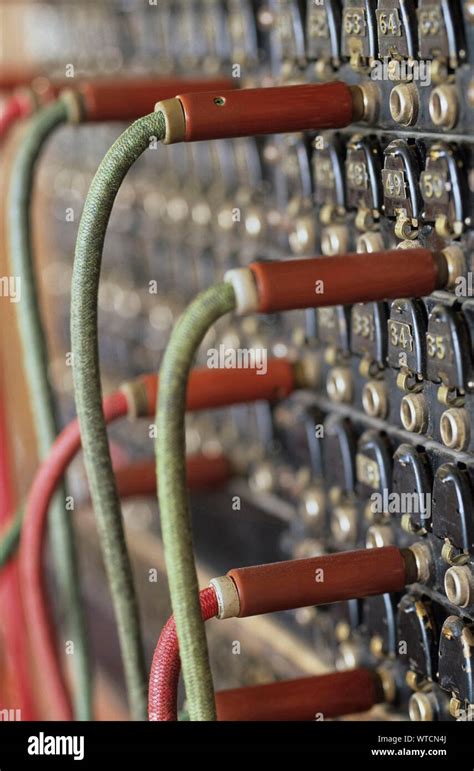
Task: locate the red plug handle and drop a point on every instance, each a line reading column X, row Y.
column 124, row 99
column 225, row 114
column 10, row 79
column 332, row 695
column 346, row 279
column 321, row 580
column 212, row 388
column 202, row 472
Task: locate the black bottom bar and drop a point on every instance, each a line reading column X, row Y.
column 55, row 745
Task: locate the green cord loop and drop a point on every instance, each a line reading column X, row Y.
column 35, row 361
column 176, row 528
column 189, row 332
column 88, row 395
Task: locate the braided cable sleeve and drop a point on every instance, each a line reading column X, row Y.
column 31, row 557
column 166, row 665
column 138, row 478
column 35, row 362
column 176, row 528
column 88, row 395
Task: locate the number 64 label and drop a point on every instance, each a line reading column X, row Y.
column 389, row 23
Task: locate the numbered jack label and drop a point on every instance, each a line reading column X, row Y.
column 363, row 170
column 328, row 174
column 396, row 29
column 448, row 348
column 289, row 30
column 323, row 22
column 400, row 177
column 369, row 331
column 359, row 34
column 441, row 31
column 445, row 190
column 406, row 336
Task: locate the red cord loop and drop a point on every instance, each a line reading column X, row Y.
column 166, row 665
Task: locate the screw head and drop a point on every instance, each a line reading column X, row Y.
column 263, row 478
column 378, row 536
column 342, row 631
column 451, row 555
column 312, row 505
column 343, row 523
column 454, row 707
column 412, row 680
column 339, row 385
column 377, row 646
